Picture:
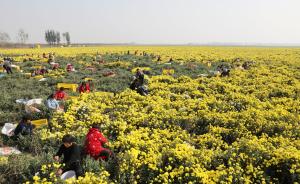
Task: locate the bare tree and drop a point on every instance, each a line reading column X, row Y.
column 22, row 36
column 4, row 37
column 64, row 36
column 47, row 37
column 67, row 38
column 57, row 38
column 53, row 37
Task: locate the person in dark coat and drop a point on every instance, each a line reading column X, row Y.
column 7, row 65
column 24, row 127
column 140, row 77
column 71, row 153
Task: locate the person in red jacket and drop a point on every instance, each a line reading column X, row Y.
column 61, row 94
column 94, row 143
column 84, row 88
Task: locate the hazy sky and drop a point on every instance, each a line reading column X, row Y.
column 156, row 21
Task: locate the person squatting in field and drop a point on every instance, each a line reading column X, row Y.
column 224, row 70
column 138, row 83
column 61, row 94
column 94, row 144
column 71, row 153
column 70, row 68
column 41, row 71
column 24, row 127
column 138, row 80
column 52, row 106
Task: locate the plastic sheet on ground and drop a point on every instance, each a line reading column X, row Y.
column 43, row 79
column 53, row 63
column 21, row 101
column 203, row 75
column 5, row 151
column 30, row 109
column 37, row 101
column 214, row 72
column 8, row 129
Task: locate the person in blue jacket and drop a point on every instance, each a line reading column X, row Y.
column 52, row 106
column 52, row 103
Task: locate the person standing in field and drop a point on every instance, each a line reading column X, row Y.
column 99, row 59
column 7, row 65
column 51, row 58
column 91, row 85
column 84, row 88
column 158, row 58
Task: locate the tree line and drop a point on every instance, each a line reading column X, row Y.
column 52, row 37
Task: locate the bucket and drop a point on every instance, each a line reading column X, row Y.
column 67, row 175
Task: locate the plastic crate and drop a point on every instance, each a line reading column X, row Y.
column 88, row 79
column 168, row 72
column 38, row 77
column 72, row 87
column 40, row 122
column 37, row 67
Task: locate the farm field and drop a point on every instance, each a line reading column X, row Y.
column 194, row 126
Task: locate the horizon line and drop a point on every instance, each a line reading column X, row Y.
column 168, row 44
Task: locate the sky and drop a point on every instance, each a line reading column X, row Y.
column 155, row 21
